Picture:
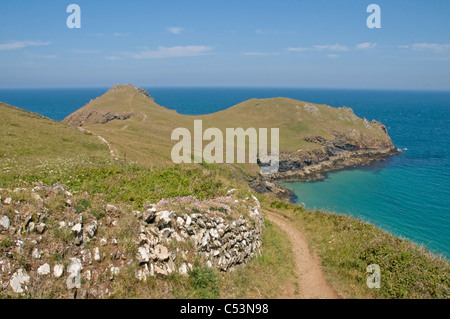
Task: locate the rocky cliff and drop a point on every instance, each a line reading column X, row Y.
column 343, row 150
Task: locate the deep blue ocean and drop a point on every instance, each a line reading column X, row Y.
column 408, row 195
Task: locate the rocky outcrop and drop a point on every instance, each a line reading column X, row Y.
column 349, row 149
column 313, row 166
column 94, row 117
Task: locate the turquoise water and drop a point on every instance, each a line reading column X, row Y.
column 408, row 195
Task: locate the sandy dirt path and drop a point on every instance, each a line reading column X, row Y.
column 311, row 278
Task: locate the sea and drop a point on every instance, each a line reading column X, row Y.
column 407, row 195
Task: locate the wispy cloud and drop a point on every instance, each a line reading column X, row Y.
column 366, row 46
column 85, row 51
column 260, row 53
column 112, row 58
column 333, row 56
column 332, row 47
column 175, row 30
column 299, row 49
column 327, row 47
column 172, row 52
column 433, row 47
column 14, row 45
column 119, row 34
column 44, row 56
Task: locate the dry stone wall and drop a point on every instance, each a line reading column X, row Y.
column 47, row 243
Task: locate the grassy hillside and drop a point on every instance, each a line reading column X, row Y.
column 144, row 135
column 33, row 144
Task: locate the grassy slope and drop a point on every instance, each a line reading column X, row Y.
column 146, row 137
column 32, row 144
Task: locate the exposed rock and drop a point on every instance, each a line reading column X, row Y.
column 111, row 209
column 163, row 219
column 58, row 270
column 183, row 270
column 97, row 254
column 77, row 228
column 212, row 238
column 162, row 253
column 18, row 279
column 149, row 215
column 86, row 257
column 188, row 220
column 44, row 270
column 143, row 255
column 36, row 254
column 160, row 270
column 180, row 222
column 91, row 229
column 367, row 124
column 40, row 228
column 7, row 201
column 31, row 227
column 114, row 271
column 143, row 92
column 28, row 220
column 74, row 271
column 311, row 109
column 4, row 222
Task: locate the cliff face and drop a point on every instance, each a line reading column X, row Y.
column 350, row 148
column 344, row 150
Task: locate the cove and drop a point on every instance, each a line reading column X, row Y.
column 385, row 194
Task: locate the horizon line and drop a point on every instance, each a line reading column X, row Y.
column 226, row 87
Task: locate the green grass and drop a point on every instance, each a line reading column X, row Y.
column 30, row 141
column 347, row 246
column 204, row 282
column 6, row 243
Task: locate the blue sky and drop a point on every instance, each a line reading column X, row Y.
column 320, row 44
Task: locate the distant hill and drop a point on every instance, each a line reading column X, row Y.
column 310, row 133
